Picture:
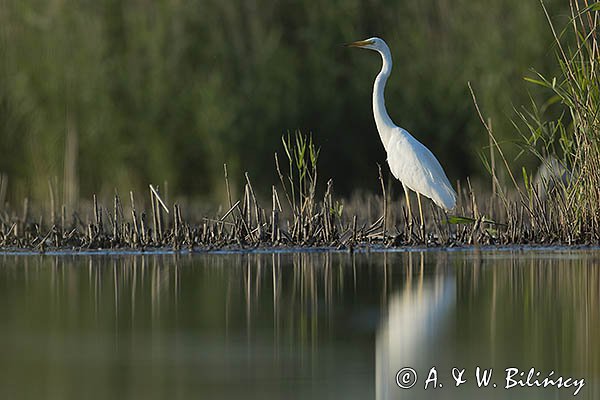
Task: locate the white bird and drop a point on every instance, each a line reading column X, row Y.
column 410, row 161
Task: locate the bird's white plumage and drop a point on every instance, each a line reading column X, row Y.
column 410, row 161
column 417, row 168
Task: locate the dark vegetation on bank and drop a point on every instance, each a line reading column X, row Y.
column 560, row 206
column 109, row 94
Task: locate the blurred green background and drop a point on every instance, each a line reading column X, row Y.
column 109, row 94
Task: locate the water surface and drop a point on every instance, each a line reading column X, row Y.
column 297, row 326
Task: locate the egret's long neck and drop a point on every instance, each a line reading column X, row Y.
column 382, row 119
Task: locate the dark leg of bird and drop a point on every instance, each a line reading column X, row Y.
column 448, row 225
column 421, row 215
column 410, row 219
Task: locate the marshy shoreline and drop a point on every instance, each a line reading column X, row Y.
column 529, row 249
column 247, row 227
column 519, row 208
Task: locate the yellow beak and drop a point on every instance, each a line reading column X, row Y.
column 360, row 43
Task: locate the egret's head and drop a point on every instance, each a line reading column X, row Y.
column 373, row 43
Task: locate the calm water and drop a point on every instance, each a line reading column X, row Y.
column 298, row 326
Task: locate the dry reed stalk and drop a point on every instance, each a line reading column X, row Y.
column 384, row 200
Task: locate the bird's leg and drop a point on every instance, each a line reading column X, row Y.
column 421, row 215
column 410, row 219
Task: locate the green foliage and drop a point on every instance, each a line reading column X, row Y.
column 564, row 133
column 154, row 91
column 301, row 185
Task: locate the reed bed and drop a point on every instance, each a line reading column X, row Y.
column 249, row 225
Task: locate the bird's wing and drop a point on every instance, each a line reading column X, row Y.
column 417, row 168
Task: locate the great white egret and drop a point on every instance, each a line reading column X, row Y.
column 410, row 161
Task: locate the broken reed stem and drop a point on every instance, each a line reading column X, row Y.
column 384, row 201
column 159, row 200
column 63, row 217
column 248, row 194
column 116, row 218
column 474, row 209
column 155, row 218
column 492, row 158
column 274, row 216
column 52, row 205
column 256, row 208
column 3, row 188
column 236, row 205
column 134, row 218
column 97, row 214
column 227, row 185
column 25, row 210
column 143, row 228
column 327, row 211
column 283, row 185
column 176, row 224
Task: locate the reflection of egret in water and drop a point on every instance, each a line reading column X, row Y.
column 495, row 310
column 416, row 318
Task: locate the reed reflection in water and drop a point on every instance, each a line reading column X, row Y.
column 296, row 325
